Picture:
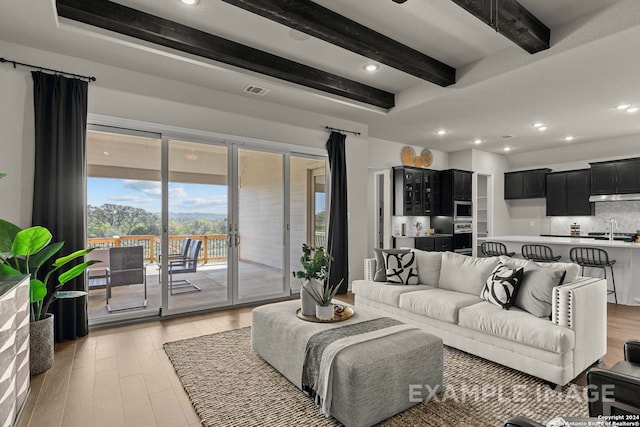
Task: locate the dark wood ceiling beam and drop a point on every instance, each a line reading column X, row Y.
column 325, row 24
column 512, row 20
column 134, row 23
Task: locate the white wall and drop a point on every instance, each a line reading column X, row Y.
column 126, row 94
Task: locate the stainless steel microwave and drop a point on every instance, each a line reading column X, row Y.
column 462, row 211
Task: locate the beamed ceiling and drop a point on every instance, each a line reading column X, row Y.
column 442, row 63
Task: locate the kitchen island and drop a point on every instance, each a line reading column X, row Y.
column 626, row 254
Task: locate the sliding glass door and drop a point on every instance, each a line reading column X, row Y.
column 220, row 223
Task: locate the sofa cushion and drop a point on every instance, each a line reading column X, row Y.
column 573, row 270
column 536, row 292
column 463, row 273
column 428, row 264
column 381, row 271
column 438, row 304
column 517, row 325
column 400, row 268
column 385, row 293
column 502, row 286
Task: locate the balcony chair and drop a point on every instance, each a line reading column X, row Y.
column 184, row 265
column 126, row 267
column 595, row 258
column 614, row 391
column 539, row 253
column 97, row 273
column 184, row 250
column 495, row 249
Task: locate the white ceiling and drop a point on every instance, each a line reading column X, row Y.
column 573, row 87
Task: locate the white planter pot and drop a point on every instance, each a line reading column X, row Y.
column 307, row 303
column 324, row 313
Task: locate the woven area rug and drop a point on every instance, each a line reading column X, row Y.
column 229, row 385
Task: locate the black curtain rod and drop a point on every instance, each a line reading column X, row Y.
column 330, row 129
column 35, row 67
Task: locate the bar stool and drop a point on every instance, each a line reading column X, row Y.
column 539, row 253
column 495, row 249
column 594, row 258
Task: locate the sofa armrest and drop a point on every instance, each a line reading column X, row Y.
column 582, row 307
column 632, row 352
column 369, row 269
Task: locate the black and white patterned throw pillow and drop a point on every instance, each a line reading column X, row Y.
column 401, row 268
column 502, row 286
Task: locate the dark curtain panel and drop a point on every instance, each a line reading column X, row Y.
column 338, row 237
column 58, row 196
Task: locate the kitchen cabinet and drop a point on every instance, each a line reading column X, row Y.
column 568, row 193
column 529, row 184
column 433, row 243
column 615, row 177
column 407, row 184
column 430, row 194
column 455, row 185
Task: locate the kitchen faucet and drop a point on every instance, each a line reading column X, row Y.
column 613, row 226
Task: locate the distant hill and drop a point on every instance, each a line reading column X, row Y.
column 186, row 216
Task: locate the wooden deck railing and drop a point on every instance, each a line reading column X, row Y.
column 214, row 246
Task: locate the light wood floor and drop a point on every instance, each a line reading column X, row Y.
column 122, row 377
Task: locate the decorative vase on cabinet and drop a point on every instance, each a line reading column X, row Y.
column 307, row 303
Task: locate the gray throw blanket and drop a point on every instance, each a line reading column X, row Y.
column 318, row 342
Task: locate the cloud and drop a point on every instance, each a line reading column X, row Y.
column 177, row 192
column 150, row 188
column 202, row 203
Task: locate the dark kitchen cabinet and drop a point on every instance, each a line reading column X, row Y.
column 407, row 184
column 529, row 184
column 628, row 176
column 615, row 177
column 433, row 243
column 430, row 194
column 455, row 186
column 568, row 193
column 603, row 178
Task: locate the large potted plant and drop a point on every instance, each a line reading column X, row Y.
column 28, row 252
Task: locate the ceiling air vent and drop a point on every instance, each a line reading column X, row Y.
column 506, row 136
column 256, row 90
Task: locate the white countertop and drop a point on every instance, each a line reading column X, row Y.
column 570, row 241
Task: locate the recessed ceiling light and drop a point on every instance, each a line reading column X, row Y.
column 537, row 125
column 190, row 2
column 106, row 153
column 371, row 67
column 542, row 128
column 632, row 110
column 623, row 106
column 507, row 149
column 568, row 138
column 477, row 141
column 441, row 132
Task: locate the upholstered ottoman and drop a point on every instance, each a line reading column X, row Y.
column 371, row 380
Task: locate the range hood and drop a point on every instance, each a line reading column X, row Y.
column 615, row 197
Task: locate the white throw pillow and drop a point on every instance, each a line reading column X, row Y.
column 400, row 268
column 428, row 264
column 502, row 286
column 573, row 270
column 466, row 274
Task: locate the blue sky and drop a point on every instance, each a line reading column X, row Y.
column 183, row 198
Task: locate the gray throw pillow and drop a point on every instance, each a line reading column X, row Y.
column 536, row 292
column 381, row 270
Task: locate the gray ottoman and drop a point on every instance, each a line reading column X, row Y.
column 371, row 380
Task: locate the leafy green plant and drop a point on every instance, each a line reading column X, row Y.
column 315, row 262
column 28, row 252
column 322, row 296
column 2, row 175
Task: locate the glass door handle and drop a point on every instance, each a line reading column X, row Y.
column 228, row 240
column 237, row 236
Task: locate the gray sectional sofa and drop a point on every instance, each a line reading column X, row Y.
column 446, row 303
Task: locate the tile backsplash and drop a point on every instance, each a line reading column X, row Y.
column 410, row 221
column 627, row 214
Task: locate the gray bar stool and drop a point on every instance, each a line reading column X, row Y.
column 594, row 258
column 495, row 249
column 539, row 253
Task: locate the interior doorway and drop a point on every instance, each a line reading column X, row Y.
column 483, row 216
